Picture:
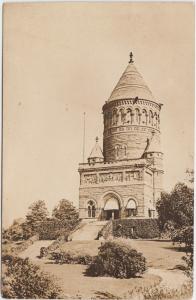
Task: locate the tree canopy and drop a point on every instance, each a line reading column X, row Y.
column 176, row 207
column 66, row 213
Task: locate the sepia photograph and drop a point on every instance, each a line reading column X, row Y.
column 98, row 150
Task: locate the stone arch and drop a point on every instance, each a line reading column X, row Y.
column 106, row 196
column 111, row 206
column 131, row 207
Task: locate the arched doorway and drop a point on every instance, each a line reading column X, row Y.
column 131, row 208
column 91, row 209
column 111, row 207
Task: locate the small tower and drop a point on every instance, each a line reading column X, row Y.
column 96, row 154
column 125, row 180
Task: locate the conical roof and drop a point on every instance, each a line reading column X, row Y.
column 153, row 145
column 131, row 85
column 96, row 151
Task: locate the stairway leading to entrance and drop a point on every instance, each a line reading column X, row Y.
column 88, row 231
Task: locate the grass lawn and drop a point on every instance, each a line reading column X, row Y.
column 159, row 254
column 161, row 257
column 75, row 284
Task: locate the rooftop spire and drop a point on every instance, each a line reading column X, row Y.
column 131, row 58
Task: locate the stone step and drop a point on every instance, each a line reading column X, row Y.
column 88, row 231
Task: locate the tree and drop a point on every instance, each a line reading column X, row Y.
column 37, row 213
column 66, row 213
column 175, row 212
column 23, row 280
column 176, row 207
column 15, row 231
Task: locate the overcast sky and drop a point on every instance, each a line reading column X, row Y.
column 62, row 59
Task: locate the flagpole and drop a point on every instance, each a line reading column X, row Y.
column 84, row 139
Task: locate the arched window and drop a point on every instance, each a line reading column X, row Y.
column 91, row 209
column 121, row 116
column 144, row 116
column 117, row 147
column 137, row 116
column 114, row 117
column 131, row 208
column 128, row 115
column 150, row 117
column 124, row 150
column 155, row 119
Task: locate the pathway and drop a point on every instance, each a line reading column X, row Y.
column 89, row 231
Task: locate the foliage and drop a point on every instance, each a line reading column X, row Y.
column 14, row 233
column 66, row 213
column 117, row 260
column 37, row 214
column 52, row 228
column 162, row 293
column 69, row 258
column 185, row 236
column 175, row 212
column 136, row 228
column 176, row 207
column 22, row 279
column 14, row 248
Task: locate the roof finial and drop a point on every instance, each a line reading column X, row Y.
column 97, row 139
column 131, row 58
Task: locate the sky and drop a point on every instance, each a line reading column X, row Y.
column 63, row 59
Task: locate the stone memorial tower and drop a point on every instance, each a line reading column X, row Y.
column 125, row 180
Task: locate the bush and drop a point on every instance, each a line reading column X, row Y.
column 163, row 293
column 117, row 260
column 14, row 248
column 22, row 279
column 14, row 232
column 136, row 228
column 51, row 229
column 69, row 258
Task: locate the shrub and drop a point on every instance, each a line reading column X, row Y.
column 22, row 279
column 14, row 248
column 14, row 232
column 185, row 236
column 52, row 228
column 163, row 293
column 117, row 260
column 136, row 228
column 69, row 258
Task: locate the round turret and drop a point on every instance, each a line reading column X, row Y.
column 131, row 115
